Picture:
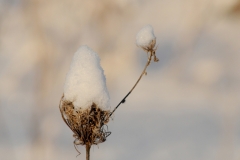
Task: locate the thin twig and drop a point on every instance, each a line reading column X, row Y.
column 152, row 53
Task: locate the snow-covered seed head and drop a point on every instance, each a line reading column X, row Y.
column 146, row 38
column 85, row 82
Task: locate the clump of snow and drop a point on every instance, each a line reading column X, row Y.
column 146, row 38
column 85, row 82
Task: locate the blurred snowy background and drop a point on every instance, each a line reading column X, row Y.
column 187, row 107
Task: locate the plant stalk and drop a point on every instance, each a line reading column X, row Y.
column 88, row 147
column 152, row 53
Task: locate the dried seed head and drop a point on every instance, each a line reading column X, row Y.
column 86, row 124
column 146, row 38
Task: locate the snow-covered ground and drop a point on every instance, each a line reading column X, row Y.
column 186, row 107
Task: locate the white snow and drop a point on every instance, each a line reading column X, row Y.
column 146, row 38
column 85, row 82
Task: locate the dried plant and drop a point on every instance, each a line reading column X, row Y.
column 87, row 125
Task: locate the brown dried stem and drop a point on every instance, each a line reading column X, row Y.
column 88, row 147
column 152, row 54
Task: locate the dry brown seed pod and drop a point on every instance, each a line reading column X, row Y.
column 87, row 125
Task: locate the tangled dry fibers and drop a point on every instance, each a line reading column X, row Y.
column 89, row 125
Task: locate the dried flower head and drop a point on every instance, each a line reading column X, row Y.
column 85, row 104
column 147, row 40
column 86, row 124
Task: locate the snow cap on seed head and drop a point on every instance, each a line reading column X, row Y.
column 85, row 82
column 146, row 38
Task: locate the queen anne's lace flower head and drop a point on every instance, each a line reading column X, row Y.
column 146, row 38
